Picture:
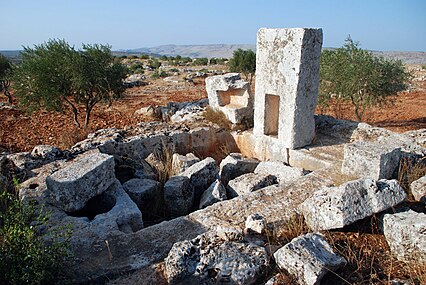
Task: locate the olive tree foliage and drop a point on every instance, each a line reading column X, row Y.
column 243, row 61
column 55, row 76
column 5, row 67
column 351, row 74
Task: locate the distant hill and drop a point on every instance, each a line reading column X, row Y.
column 194, row 51
column 223, row 50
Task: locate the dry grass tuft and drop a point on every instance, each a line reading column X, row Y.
column 163, row 163
column 217, row 117
column 68, row 139
column 410, row 169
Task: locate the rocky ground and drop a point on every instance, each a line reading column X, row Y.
column 362, row 244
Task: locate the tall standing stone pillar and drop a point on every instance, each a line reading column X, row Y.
column 287, row 77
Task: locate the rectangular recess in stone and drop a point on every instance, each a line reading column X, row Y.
column 272, row 111
column 236, row 98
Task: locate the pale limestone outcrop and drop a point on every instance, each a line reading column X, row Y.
column 216, row 258
column 309, row 257
column 71, row 187
column 287, row 76
column 231, row 95
column 336, row 207
column 406, row 235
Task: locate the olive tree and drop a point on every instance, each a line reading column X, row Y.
column 5, row 67
column 243, row 61
column 351, row 74
column 55, row 75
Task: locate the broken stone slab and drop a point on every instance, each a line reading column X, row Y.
column 234, row 165
column 336, row 207
column 201, row 175
column 248, row 183
column 71, row 187
column 231, row 95
column 255, row 223
column 371, row 159
column 212, row 259
column 178, row 195
column 182, row 162
column 418, row 189
column 283, row 172
column 406, row 235
column 46, row 152
column 287, row 78
column 309, row 257
column 215, row 193
column 146, row 193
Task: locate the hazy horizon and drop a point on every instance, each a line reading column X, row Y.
column 382, row 25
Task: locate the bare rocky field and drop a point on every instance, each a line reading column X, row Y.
column 219, row 216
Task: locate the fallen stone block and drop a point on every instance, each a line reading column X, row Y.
column 178, row 196
column 418, row 189
column 71, row 187
column 371, row 159
column 255, row 223
column 309, row 257
column 406, row 235
column 201, row 175
column 336, row 207
column 146, row 193
column 215, row 193
column 248, row 183
column 283, row 172
column 182, row 162
column 210, row 259
column 235, row 165
column 231, row 95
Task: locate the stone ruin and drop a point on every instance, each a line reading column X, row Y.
column 204, row 224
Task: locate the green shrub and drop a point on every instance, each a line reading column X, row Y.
column 25, row 256
column 159, row 73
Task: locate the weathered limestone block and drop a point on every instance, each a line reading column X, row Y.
column 235, row 165
column 231, row 95
column 309, row 257
column 283, row 172
column 202, row 174
column 418, row 189
column 182, row 162
column 371, row 159
column 336, row 207
column 249, row 182
column 178, row 196
column 212, row 259
column 45, row 151
column 255, row 223
column 146, row 193
column 406, row 235
column 215, row 193
column 71, row 187
column 287, row 76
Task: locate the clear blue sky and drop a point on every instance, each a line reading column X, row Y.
column 377, row 24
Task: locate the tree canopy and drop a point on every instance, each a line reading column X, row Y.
column 351, row 74
column 243, row 61
column 54, row 75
